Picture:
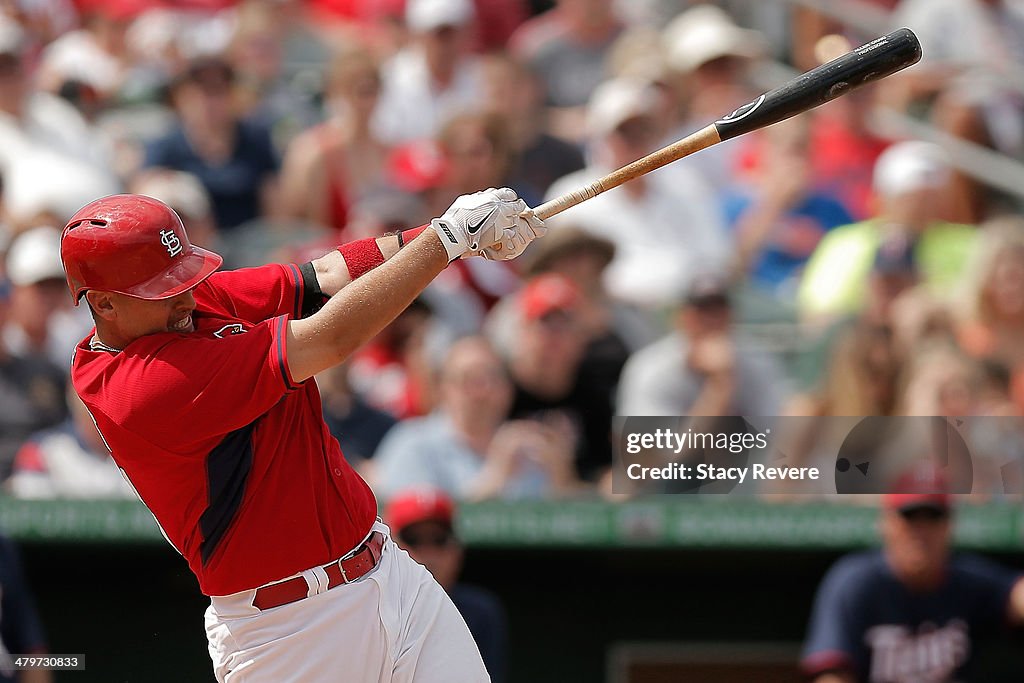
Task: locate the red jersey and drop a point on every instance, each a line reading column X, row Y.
column 232, row 457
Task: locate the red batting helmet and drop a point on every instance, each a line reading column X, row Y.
column 134, row 245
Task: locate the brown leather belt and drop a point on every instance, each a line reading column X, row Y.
column 354, row 566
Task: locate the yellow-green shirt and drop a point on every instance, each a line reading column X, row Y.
column 836, row 277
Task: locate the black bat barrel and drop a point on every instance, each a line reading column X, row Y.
column 868, row 63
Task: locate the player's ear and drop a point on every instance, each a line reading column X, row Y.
column 100, row 303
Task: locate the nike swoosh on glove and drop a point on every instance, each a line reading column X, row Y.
column 476, row 220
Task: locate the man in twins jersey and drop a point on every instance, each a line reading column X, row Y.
column 200, row 384
column 910, row 613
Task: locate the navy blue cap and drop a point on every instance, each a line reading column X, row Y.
column 895, row 256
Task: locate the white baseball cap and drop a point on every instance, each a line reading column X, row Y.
column 35, row 256
column 910, row 166
column 705, row 33
column 12, row 38
column 616, row 101
column 422, row 16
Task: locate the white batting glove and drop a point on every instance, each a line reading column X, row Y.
column 477, row 220
column 527, row 228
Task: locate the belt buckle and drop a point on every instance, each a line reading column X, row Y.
column 341, row 567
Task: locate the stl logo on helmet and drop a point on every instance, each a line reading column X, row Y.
column 171, row 241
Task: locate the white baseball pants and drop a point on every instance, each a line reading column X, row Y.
column 394, row 625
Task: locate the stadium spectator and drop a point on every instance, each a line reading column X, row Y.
column 778, row 215
column 422, row 521
column 45, row 20
column 358, row 426
column 539, row 158
column 331, row 167
column 432, row 78
column 567, row 47
column 48, row 154
column 234, row 158
column 31, row 394
column 862, row 377
column 941, row 381
column 844, row 151
column 662, row 224
column 40, row 116
column 989, row 47
column 583, row 258
column 478, row 148
column 95, row 57
column 264, row 33
column 809, row 25
column 391, row 372
column 40, row 321
column 856, row 366
column 20, row 629
column 709, row 58
column 166, row 36
column 554, row 387
column 68, row 461
column 468, row 447
column 614, row 329
column 703, row 368
column 912, row 611
column 910, row 180
column 845, row 142
column 992, row 323
column 959, row 111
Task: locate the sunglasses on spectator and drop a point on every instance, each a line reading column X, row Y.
column 710, row 302
column 925, row 514
column 439, row 539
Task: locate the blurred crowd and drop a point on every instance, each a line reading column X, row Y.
column 822, row 267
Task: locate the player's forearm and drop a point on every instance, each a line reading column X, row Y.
column 363, row 308
column 334, row 272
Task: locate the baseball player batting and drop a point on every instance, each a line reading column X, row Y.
column 199, row 383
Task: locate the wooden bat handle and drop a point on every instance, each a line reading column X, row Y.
column 702, row 139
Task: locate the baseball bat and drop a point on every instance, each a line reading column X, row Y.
column 869, row 63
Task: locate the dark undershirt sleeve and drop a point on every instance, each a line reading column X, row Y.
column 312, row 298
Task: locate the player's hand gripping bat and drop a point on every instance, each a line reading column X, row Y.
column 869, row 63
